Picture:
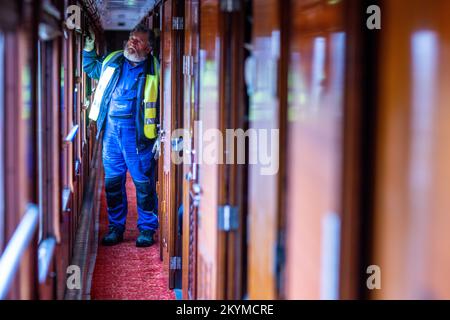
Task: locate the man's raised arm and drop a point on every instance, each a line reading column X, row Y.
column 92, row 63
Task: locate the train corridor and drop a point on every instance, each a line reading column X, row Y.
column 125, row 272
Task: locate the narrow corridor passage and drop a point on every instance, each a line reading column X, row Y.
column 124, row 272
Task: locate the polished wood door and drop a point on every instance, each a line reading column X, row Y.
column 166, row 205
column 317, row 56
column 166, row 126
column 171, row 111
column 160, row 182
column 220, row 251
column 191, row 100
column 210, row 275
column 411, row 217
column 233, row 173
column 177, row 123
column 264, row 178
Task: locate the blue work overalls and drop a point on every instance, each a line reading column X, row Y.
column 120, row 153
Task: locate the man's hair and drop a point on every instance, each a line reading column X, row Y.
column 144, row 29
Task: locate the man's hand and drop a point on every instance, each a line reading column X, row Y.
column 89, row 44
column 157, row 148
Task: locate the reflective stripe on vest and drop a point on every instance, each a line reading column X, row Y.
column 99, row 91
column 105, row 78
column 150, row 99
column 150, row 95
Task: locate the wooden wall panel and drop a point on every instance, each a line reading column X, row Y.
column 18, row 94
column 166, row 124
column 191, row 51
column 412, row 204
column 171, row 112
column 209, row 64
column 315, row 119
column 264, row 114
column 234, row 110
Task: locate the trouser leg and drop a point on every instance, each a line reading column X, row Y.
column 116, row 199
column 115, row 178
column 146, row 205
column 142, row 167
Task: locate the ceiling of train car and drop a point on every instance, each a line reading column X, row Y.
column 123, row 14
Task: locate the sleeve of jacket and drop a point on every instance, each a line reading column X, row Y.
column 92, row 64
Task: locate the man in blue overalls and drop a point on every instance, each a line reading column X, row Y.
column 118, row 109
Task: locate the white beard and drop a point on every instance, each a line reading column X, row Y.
column 134, row 57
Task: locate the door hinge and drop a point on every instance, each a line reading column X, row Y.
column 177, row 23
column 188, row 67
column 175, row 263
column 230, row 5
column 228, row 218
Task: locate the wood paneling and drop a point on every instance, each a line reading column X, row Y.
column 166, row 206
column 264, row 114
column 191, row 101
column 20, row 150
column 233, row 174
column 412, row 203
column 171, row 113
column 208, row 263
column 317, row 52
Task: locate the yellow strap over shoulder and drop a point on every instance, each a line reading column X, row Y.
column 110, row 56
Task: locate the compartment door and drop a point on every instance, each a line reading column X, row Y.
column 264, row 114
column 190, row 169
column 317, row 54
column 210, row 273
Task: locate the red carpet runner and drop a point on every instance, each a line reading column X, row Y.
column 124, row 272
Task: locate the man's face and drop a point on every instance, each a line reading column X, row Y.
column 137, row 47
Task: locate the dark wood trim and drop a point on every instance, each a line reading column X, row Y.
column 190, row 99
column 224, row 107
column 176, row 172
column 359, row 152
column 285, row 16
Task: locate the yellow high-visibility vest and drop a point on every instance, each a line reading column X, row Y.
column 150, row 100
column 150, row 94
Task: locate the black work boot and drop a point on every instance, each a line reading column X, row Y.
column 145, row 238
column 114, row 236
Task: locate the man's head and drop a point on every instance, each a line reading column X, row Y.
column 139, row 44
